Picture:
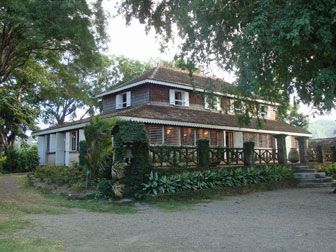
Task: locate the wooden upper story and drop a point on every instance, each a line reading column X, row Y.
column 173, row 88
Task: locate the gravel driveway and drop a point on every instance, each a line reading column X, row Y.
column 285, row 220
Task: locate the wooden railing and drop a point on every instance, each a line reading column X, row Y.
column 186, row 156
column 173, row 156
column 266, row 156
column 226, row 156
column 327, row 155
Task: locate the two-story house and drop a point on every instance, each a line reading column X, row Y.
column 174, row 112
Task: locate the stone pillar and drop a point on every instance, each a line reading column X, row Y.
column 59, row 157
column 320, row 154
column 249, row 154
column 303, row 149
column 282, row 152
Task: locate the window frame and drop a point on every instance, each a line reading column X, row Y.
column 120, row 103
column 184, row 95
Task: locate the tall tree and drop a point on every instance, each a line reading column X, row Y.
column 70, row 89
column 276, row 47
column 294, row 117
column 30, row 29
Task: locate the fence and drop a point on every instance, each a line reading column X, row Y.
column 266, row 156
column 187, row 156
column 325, row 155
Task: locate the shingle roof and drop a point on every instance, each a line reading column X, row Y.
column 185, row 115
column 177, row 76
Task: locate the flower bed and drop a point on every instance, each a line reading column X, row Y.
column 157, row 184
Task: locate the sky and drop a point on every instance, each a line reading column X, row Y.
column 133, row 42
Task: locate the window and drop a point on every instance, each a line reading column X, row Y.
column 187, row 136
column 264, row 111
column 171, row 136
column 155, row 134
column 74, row 140
column 178, row 97
column 212, row 102
column 202, row 133
column 123, row 100
column 52, row 143
column 236, row 106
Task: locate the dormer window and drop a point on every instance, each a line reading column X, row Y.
column 264, row 111
column 212, row 103
column 123, row 100
column 178, row 97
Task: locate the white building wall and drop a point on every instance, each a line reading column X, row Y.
column 288, row 144
column 67, row 148
column 59, row 159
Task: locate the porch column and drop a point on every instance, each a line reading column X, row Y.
column 42, row 149
column 303, row 149
column 59, row 157
column 282, row 152
column 67, row 148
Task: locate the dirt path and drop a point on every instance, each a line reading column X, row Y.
column 284, row 220
column 10, row 188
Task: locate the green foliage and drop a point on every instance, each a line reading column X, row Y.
column 132, row 135
column 99, row 146
column 294, row 118
column 60, row 175
column 105, row 188
column 330, row 170
column 82, row 153
column 276, row 48
column 157, row 184
column 203, row 151
column 22, row 160
column 38, row 29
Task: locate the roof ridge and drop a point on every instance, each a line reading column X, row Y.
column 187, row 72
column 154, row 72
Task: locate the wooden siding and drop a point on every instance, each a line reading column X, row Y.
column 139, row 96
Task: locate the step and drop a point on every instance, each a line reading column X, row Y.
column 316, row 180
column 303, row 168
column 334, row 183
column 309, row 175
column 315, row 185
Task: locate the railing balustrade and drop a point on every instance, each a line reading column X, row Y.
column 226, row 156
column 266, row 156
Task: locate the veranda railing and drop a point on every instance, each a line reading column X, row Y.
column 266, row 156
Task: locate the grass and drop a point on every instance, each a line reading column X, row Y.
column 29, row 245
column 172, row 206
column 13, row 225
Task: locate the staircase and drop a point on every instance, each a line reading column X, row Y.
column 309, row 178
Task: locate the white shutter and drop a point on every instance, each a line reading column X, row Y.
column 118, row 101
column 81, row 135
column 186, row 98
column 219, row 107
column 206, row 102
column 231, row 106
column 268, row 112
column 128, row 98
column 172, row 96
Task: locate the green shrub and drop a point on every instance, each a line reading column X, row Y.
column 105, row 188
column 60, row 175
column 203, row 151
column 20, row 160
column 330, row 170
column 157, row 184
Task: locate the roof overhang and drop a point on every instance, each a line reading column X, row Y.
column 175, row 123
column 208, row 126
column 177, row 86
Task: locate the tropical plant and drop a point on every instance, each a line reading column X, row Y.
column 156, row 184
column 99, row 146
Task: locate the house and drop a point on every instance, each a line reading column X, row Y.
column 174, row 112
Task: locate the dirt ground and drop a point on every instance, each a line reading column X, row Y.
column 284, row 220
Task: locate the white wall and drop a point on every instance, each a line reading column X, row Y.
column 59, row 159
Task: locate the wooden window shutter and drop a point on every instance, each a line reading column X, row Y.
column 186, row 98
column 172, row 96
column 219, row 103
column 118, row 101
column 128, row 98
column 206, row 102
